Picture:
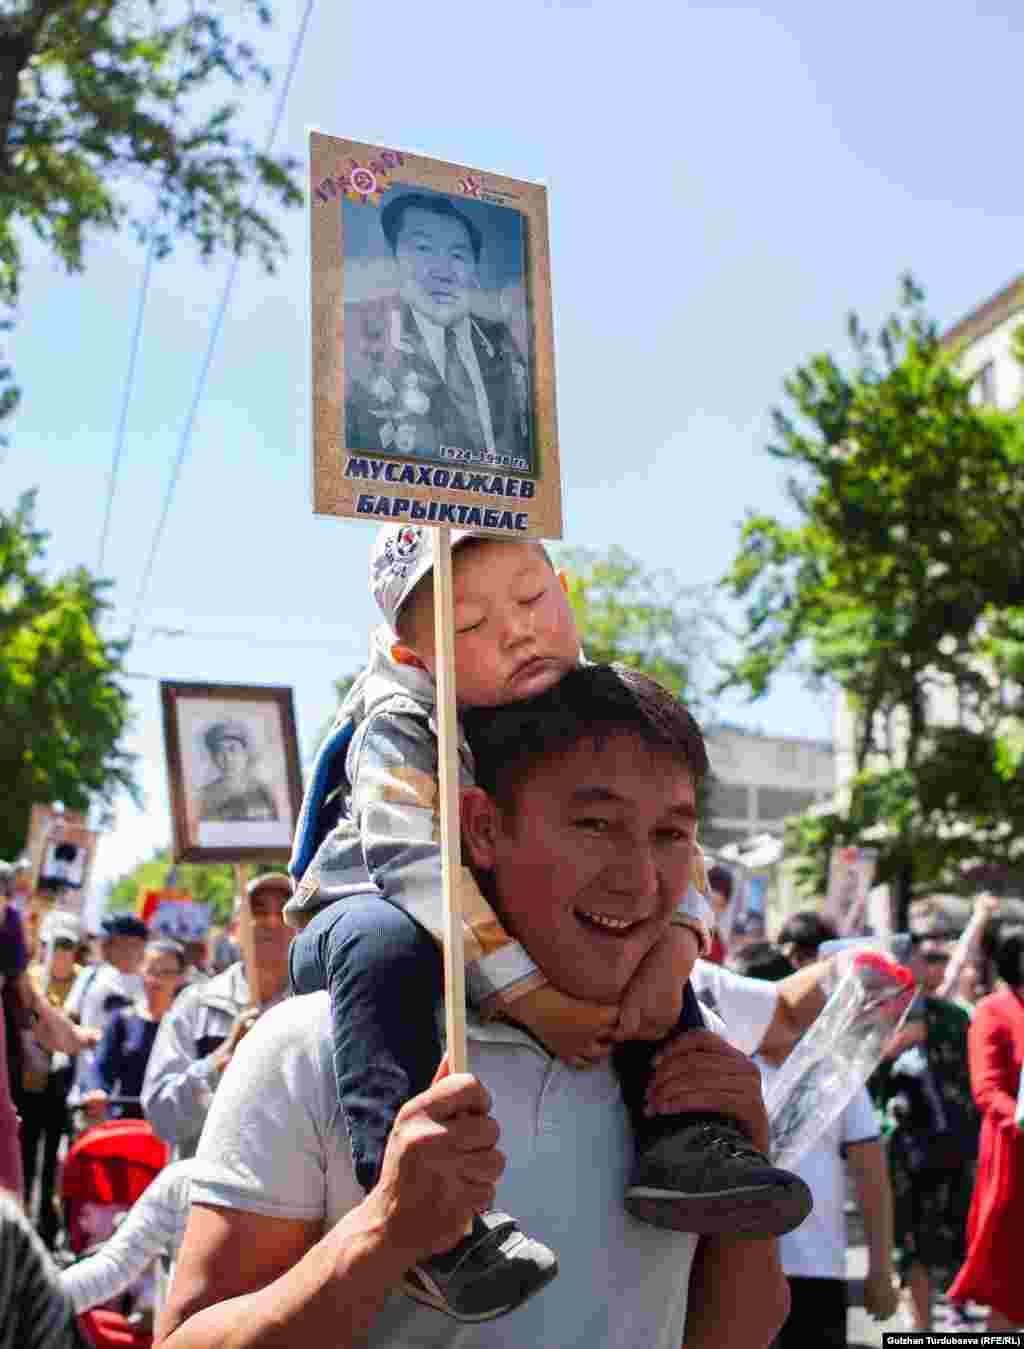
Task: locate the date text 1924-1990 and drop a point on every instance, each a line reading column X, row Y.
column 462, row 456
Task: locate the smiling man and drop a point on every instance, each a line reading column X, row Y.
column 428, row 375
column 581, row 829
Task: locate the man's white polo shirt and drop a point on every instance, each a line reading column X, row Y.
column 274, row 1144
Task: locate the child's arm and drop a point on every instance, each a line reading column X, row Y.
column 650, row 1007
column 653, row 1001
column 153, row 1226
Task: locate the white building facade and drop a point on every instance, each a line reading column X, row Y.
column 761, row 780
column 985, row 340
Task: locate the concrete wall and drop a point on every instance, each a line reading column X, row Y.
column 760, row 780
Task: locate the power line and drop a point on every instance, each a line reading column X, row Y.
column 250, row 639
column 140, row 309
column 186, row 435
column 129, row 384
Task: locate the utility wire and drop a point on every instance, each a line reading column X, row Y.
column 186, row 434
column 133, row 356
column 129, row 385
column 249, row 639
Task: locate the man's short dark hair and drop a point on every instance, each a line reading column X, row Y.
column 761, row 960
column 392, row 214
column 592, row 702
column 806, row 929
column 124, row 925
column 720, row 880
column 1009, row 954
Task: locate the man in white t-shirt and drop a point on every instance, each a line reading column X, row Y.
column 762, row 1017
column 814, row 1255
column 103, row 989
column 593, row 815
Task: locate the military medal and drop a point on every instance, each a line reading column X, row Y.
column 414, row 400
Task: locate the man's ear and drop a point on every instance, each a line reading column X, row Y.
column 479, row 827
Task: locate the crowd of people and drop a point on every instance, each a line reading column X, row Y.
column 328, row 1175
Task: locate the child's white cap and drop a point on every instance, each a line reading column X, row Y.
column 400, row 558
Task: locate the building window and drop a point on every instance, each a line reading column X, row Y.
column 778, row 803
column 717, row 836
column 984, row 388
column 787, row 758
column 730, row 801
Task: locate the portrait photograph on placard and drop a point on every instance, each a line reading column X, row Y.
column 432, row 342
column 233, row 771
column 437, row 332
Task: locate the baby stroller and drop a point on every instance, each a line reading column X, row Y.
column 107, row 1168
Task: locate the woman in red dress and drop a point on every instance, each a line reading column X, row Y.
column 991, row 1273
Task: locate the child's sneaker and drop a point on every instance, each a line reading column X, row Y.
column 705, row 1177
column 492, row 1270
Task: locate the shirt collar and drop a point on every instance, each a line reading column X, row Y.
column 434, row 333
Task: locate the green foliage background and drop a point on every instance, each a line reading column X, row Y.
column 63, row 709
column 898, row 579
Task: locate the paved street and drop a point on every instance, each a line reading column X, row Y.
column 863, row 1330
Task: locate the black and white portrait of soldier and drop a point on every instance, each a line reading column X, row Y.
column 436, row 334
column 237, row 792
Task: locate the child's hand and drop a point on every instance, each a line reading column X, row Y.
column 572, row 1030
column 653, row 1000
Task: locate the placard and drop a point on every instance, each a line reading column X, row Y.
column 432, row 343
column 233, row 771
column 176, row 915
column 851, row 872
column 61, row 848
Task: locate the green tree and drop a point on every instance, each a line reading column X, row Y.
column 212, row 884
column 648, row 620
column 102, row 98
column 645, row 619
column 63, row 711
column 901, row 582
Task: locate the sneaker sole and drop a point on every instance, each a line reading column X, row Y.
column 752, row 1214
column 432, row 1296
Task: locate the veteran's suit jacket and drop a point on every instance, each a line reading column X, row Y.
column 397, row 402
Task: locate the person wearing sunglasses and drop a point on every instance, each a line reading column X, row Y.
column 932, row 1126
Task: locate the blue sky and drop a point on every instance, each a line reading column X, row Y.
column 726, row 182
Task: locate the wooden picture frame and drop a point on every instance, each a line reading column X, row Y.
column 224, row 810
column 433, row 369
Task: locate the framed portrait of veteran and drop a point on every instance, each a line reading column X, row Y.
column 232, row 770
column 433, row 373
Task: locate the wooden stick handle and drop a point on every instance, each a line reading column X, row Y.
column 448, row 801
column 245, row 936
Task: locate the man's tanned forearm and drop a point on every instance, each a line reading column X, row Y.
column 332, row 1295
column 801, row 998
